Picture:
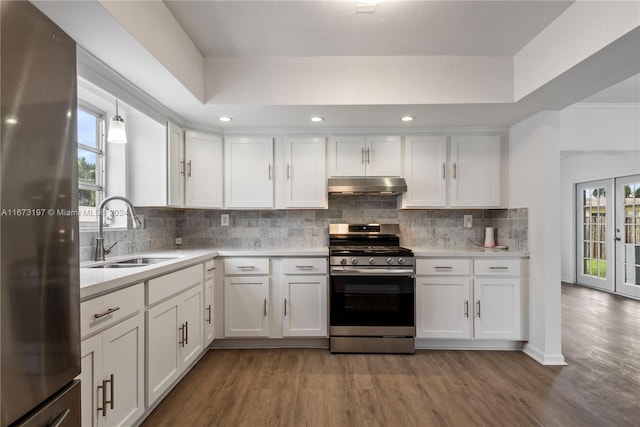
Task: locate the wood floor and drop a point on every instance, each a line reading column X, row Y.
column 291, row 387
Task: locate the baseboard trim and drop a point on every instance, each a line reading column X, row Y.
column 542, row 358
column 253, row 343
column 453, row 344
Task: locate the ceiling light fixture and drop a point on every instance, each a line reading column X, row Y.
column 317, row 119
column 407, row 118
column 117, row 133
column 225, row 118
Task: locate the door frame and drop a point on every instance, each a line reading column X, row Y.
column 621, row 287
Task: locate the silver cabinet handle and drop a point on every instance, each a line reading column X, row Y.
column 181, row 342
column 285, row 307
column 112, row 394
column 189, row 169
column 246, row 267
column 478, row 304
column 265, row 307
column 369, row 156
column 60, row 418
column 288, row 171
column 106, row 313
column 182, row 167
column 444, row 170
column 466, row 308
column 362, row 153
column 304, row 267
column 498, row 268
column 443, row 267
column 455, row 171
column 186, row 332
column 269, row 171
column 209, row 270
column 209, row 314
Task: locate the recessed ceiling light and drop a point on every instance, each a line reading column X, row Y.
column 11, row 120
column 407, row 118
column 317, row 119
column 225, row 119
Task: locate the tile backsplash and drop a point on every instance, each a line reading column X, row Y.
column 308, row 228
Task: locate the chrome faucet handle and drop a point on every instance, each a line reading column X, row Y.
column 108, row 250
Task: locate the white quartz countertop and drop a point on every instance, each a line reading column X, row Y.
column 467, row 251
column 98, row 281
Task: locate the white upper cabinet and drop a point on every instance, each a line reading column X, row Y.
column 203, row 170
column 475, row 171
column 463, row 173
column 305, row 172
column 249, row 172
column 365, row 156
column 425, row 164
column 175, row 165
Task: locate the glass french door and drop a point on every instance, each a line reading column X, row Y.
column 594, row 222
column 627, row 236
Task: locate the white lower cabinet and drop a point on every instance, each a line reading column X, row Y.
column 208, row 302
column 487, row 305
column 249, row 309
column 174, row 339
column 305, row 297
column 112, row 362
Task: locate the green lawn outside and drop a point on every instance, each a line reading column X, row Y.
column 591, row 267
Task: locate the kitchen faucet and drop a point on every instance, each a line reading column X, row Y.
column 101, row 251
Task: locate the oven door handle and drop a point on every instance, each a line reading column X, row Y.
column 351, row 271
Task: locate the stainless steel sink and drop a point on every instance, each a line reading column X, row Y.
column 134, row 262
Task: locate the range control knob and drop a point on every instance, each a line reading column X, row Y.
column 354, row 261
column 343, row 261
column 389, row 260
column 372, row 261
column 401, row 261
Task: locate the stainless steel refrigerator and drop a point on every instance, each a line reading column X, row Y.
column 39, row 267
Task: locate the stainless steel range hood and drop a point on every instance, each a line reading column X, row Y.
column 386, row 186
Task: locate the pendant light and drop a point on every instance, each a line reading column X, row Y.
column 117, row 133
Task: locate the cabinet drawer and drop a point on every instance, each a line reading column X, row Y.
column 497, row 267
column 444, row 267
column 304, row 266
column 246, row 266
column 209, row 269
column 173, row 283
column 106, row 310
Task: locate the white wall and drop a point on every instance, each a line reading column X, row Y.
column 598, row 141
column 534, row 165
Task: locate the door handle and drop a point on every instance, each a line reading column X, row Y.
column 265, row 308
column 478, row 304
column 369, row 156
column 444, row 170
column 466, row 308
column 181, row 342
column 186, row 332
column 455, row 171
column 285, row 307
column 182, row 167
column 112, row 394
column 103, row 387
column 189, row 169
column 209, row 314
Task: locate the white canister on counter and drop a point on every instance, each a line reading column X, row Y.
column 489, row 238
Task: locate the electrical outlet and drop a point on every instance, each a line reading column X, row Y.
column 178, row 240
column 224, row 220
column 468, row 221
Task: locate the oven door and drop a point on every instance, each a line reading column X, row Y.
column 372, row 305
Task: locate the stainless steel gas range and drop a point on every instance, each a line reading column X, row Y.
column 372, row 290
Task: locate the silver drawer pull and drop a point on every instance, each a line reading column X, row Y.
column 106, row 313
column 209, row 270
column 304, row 267
column 246, row 267
column 443, row 268
column 498, row 268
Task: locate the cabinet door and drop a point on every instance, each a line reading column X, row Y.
column 443, row 307
column 475, row 171
column 248, row 172
column 246, row 306
column 383, row 156
column 425, row 171
column 163, row 355
column 123, row 350
column 191, row 321
column 203, row 157
column 176, row 166
column 305, row 306
column 208, row 312
column 497, row 308
column 91, row 379
column 306, row 178
column 347, row 156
